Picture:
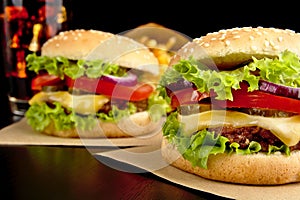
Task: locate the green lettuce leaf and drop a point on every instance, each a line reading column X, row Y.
column 285, row 149
column 158, row 106
column 61, row 66
column 115, row 114
column 39, row 116
column 252, row 148
column 282, row 70
column 203, row 143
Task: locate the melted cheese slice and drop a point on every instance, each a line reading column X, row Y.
column 83, row 104
column 286, row 129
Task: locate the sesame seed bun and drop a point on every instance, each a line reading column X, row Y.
column 99, row 45
column 231, row 47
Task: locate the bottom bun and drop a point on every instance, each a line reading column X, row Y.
column 254, row 169
column 137, row 124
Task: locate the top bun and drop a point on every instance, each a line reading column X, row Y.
column 231, row 47
column 99, row 45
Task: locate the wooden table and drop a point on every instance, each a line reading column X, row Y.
column 55, row 172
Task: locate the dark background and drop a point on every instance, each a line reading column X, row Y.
column 192, row 18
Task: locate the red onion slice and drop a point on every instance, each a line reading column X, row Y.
column 129, row 80
column 280, row 90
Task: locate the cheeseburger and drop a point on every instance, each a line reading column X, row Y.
column 235, row 106
column 94, row 83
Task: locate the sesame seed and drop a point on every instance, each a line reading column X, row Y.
column 277, row 31
column 290, row 31
column 214, row 33
column 236, row 29
column 197, row 41
column 206, row 44
column 227, row 42
column 200, row 44
column 223, row 36
column 267, row 43
column 248, row 29
column 254, row 48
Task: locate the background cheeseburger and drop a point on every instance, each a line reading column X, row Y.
column 94, row 83
column 235, row 102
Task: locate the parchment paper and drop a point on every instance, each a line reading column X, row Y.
column 154, row 163
column 20, row 133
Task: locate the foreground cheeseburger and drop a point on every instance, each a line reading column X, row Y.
column 235, row 101
column 95, row 83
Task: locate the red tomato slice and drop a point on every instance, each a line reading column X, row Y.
column 44, row 80
column 258, row 99
column 242, row 99
column 98, row 86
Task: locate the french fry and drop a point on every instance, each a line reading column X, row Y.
column 161, row 51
